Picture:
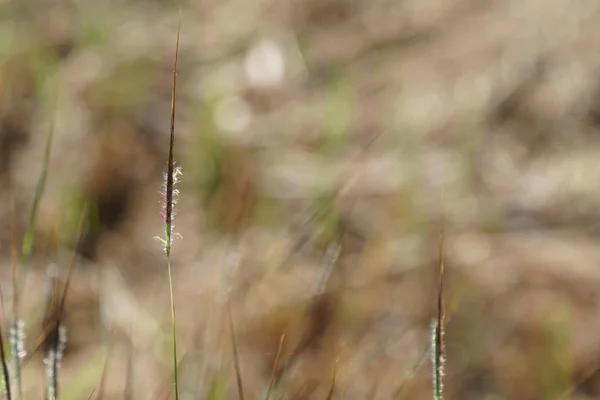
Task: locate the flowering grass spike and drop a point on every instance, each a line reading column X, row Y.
column 168, row 206
column 170, row 200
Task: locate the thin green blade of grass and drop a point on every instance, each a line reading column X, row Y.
column 26, row 252
column 28, row 238
column 164, row 389
column 102, row 383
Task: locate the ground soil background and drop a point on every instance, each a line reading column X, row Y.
column 325, row 145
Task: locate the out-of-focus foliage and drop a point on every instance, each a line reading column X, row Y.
column 357, row 129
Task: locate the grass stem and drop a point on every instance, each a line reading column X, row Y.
column 439, row 355
column 170, row 194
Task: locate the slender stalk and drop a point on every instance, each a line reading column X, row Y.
column 410, row 373
column 55, row 329
column 236, row 359
column 333, row 381
column 91, row 394
column 275, row 366
column 5, row 375
column 174, row 334
column 53, row 322
column 39, row 192
column 28, row 239
column 14, row 320
column 18, row 280
column 170, row 194
column 439, row 351
column 53, row 360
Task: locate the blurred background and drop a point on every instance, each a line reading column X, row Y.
column 325, row 145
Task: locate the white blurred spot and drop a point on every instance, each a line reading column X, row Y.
column 52, row 271
column 264, row 64
column 233, row 115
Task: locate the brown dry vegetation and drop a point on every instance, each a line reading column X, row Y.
column 393, row 119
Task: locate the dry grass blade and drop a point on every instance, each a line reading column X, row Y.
column 333, row 381
column 63, row 297
column 318, row 311
column 53, row 321
column 438, row 331
column 410, row 373
column 376, row 383
column 236, row 360
column 316, row 209
column 275, row 366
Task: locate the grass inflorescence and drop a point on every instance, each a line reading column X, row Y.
column 170, row 199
